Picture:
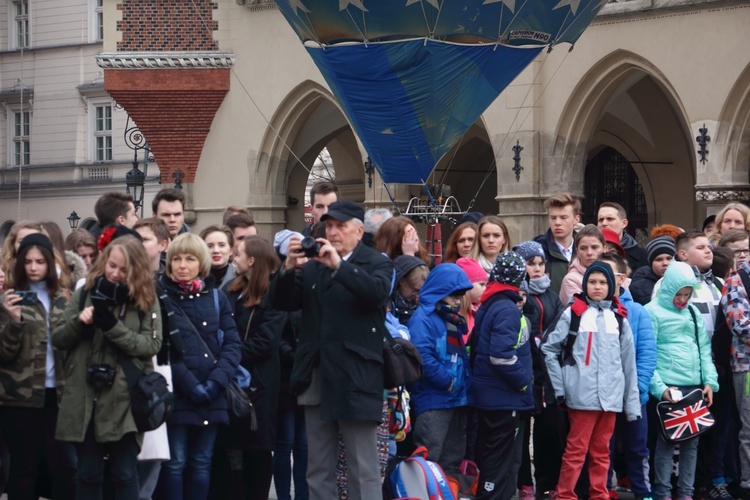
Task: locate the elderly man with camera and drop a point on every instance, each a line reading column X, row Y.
column 337, row 375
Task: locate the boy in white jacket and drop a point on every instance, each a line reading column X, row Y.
column 596, row 380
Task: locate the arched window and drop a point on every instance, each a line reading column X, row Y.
column 609, row 177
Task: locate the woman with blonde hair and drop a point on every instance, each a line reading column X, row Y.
column 398, row 236
column 460, row 242
column 212, row 353
column 119, row 318
column 734, row 215
column 491, row 240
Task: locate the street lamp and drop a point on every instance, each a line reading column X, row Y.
column 73, row 220
column 135, row 181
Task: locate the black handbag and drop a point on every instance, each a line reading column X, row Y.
column 240, row 406
column 402, row 363
column 685, row 419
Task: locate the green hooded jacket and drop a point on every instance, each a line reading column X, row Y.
column 679, row 361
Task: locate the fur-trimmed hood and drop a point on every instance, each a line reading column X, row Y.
column 76, row 266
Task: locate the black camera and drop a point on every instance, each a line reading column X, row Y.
column 310, row 247
column 100, row 376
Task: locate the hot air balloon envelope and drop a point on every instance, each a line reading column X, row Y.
column 413, row 75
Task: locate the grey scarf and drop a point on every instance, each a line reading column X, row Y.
column 538, row 286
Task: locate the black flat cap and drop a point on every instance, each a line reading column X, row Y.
column 343, row 211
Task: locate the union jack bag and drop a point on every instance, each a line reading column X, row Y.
column 685, row 419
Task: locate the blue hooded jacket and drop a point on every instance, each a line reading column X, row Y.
column 429, row 335
column 644, row 341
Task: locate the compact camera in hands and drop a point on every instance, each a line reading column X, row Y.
column 310, row 247
column 100, row 376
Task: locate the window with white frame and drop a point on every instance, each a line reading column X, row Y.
column 21, row 147
column 102, row 132
column 20, row 17
column 98, row 21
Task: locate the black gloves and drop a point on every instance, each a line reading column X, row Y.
column 104, row 319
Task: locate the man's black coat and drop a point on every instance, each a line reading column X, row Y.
column 343, row 326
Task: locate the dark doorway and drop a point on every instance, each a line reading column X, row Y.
column 610, row 177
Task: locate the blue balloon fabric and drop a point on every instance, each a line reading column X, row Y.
column 413, row 75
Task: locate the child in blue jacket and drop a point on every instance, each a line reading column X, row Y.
column 441, row 398
column 502, row 379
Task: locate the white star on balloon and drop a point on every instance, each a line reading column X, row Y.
column 511, row 4
column 297, row 6
column 343, row 4
column 573, row 5
column 434, row 3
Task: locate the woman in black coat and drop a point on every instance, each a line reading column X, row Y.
column 248, row 453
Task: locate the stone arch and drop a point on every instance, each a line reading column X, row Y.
column 732, row 141
column 306, row 121
column 592, row 119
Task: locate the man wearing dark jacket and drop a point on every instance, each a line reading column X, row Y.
column 613, row 216
column 337, row 372
column 563, row 212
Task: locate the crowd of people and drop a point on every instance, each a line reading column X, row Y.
column 543, row 360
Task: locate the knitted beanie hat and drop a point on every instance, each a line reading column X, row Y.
column 509, row 268
column 660, row 245
column 606, row 270
column 529, row 249
column 473, row 270
column 35, row 240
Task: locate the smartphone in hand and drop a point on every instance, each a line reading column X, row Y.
column 28, row 297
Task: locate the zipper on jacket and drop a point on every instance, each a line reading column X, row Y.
column 588, row 348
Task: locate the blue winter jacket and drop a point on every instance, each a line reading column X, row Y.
column 429, row 335
column 502, row 374
column 644, row 341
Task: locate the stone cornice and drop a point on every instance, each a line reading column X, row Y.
column 257, row 4
column 718, row 194
column 158, row 60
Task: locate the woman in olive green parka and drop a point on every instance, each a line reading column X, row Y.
column 120, row 310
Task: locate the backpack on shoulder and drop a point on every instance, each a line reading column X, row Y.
column 566, row 355
column 418, row 478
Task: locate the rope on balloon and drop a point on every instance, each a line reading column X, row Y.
column 257, row 107
column 22, row 156
column 501, row 150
